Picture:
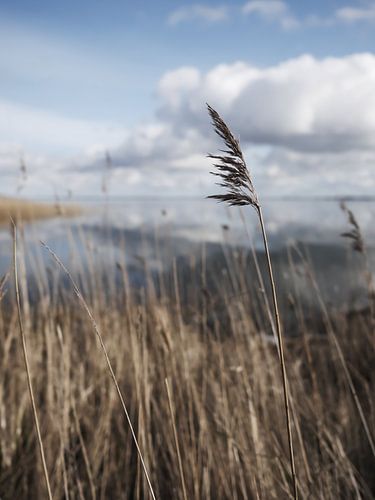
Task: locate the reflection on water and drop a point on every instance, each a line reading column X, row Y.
column 157, row 231
column 310, row 221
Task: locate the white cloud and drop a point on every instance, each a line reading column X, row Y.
column 272, row 10
column 278, row 11
column 267, row 8
column 275, row 11
column 315, row 117
column 302, row 104
column 354, row 14
column 286, row 172
column 195, row 12
column 307, row 126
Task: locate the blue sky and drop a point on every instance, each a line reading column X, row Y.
column 82, row 78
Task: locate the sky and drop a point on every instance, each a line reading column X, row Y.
column 111, row 96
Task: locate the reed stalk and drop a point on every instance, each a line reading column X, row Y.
column 239, row 190
column 26, row 361
column 109, row 365
column 181, row 470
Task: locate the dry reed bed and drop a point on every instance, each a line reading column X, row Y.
column 26, row 210
column 224, row 382
column 206, row 414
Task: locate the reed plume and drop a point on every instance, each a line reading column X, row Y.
column 355, row 234
column 358, row 245
column 231, row 167
column 239, row 191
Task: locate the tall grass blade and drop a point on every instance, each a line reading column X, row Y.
column 26, row 361
column 239, row 191
column 109, row 364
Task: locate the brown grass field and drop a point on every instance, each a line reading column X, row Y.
column 225, row 398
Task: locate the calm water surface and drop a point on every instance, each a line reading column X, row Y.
column 159, row 230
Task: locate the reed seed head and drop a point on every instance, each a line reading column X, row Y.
column 355, row 234
column 231, row 168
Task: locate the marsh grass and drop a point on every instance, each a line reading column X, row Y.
column 25, row 210
column 239, row 190
column 194, row 352
column 26, row 361
column 216, row 349
column 87, row 310
column 225, row 396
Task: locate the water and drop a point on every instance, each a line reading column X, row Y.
column 157, row 231
column 310, row 221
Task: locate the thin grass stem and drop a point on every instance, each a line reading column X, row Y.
column 109, row 364
column 281, row 352
column 171, row 409
column 26, row 361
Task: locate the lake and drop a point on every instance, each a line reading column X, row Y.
column 157, row 231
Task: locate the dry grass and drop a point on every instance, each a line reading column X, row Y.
column 24, row 210
column 26, row 360
column 225, row 401
column 239, row 191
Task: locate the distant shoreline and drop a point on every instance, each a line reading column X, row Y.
column 29, row 210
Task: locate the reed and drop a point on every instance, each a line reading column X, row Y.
column 239, row 190
column 219, row 432
column 223, row 416
column 108, row 362
column 26, row 210
column 26, row 362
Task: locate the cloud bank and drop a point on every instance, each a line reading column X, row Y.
column 303, row 104
column 306, row 124
column 273, row 11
